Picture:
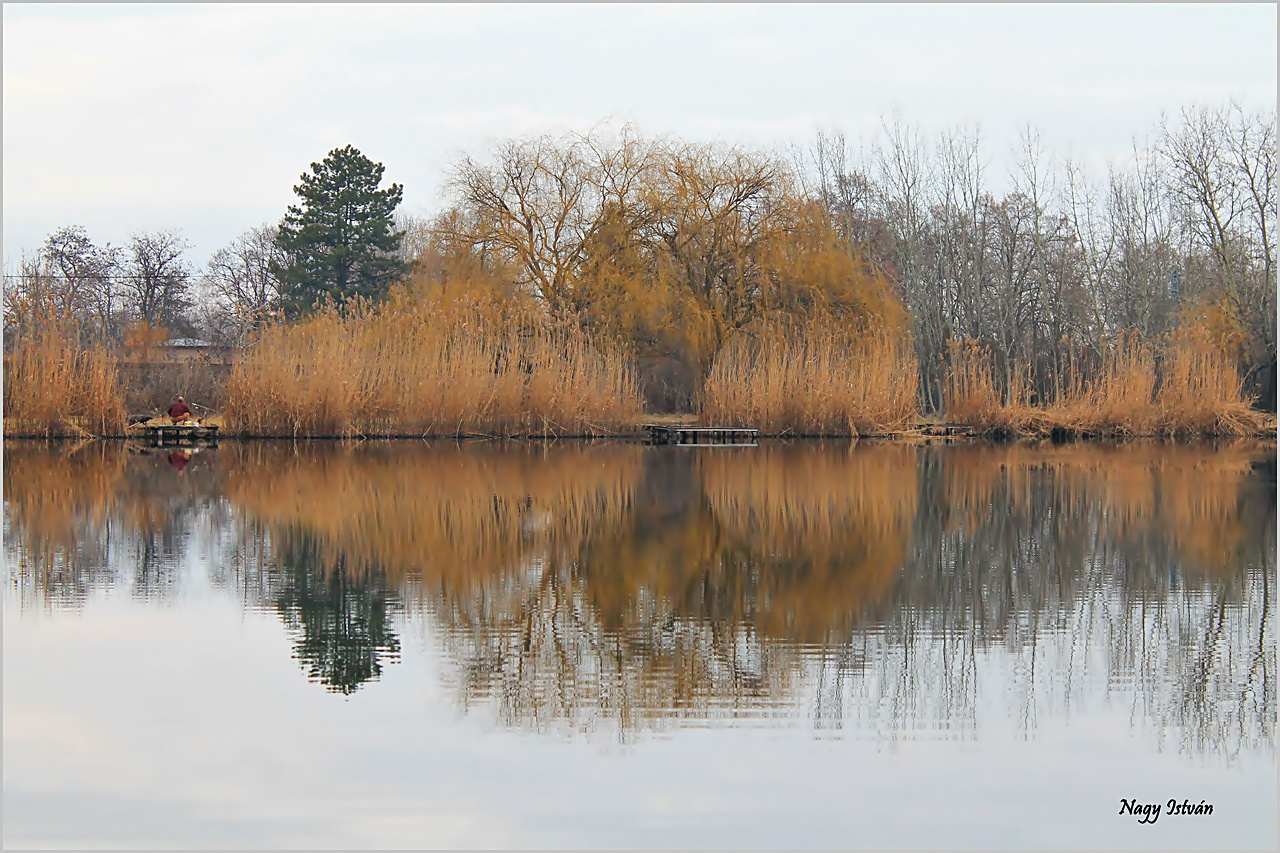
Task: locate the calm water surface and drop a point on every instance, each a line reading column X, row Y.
column 485, row 644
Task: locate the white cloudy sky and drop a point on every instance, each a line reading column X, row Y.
column 125, row 118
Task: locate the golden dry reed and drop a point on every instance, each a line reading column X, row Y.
column 56, row 387
column 813, row 378
column 1201, row 392
column 970, row 392
column 1185, row 387
column 413, row 367
column 1119, row 402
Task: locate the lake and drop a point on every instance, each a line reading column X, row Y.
column 604, row 644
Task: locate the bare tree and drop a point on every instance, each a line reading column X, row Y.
column 535, row 203
column 72, row 278
column 242, row 279
column 415, row 243
column 1222, row 176
column 89, row 277
column 1042, row 275
column 1145, row 278
column 158, row 279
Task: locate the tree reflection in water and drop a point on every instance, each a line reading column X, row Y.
column 609, row 586
column 340, row 620
column 84, row 517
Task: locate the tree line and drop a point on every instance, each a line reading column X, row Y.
column 671, row 248
column 340, row 244
column 1045, row 273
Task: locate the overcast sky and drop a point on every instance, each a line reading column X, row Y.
column 201, row 118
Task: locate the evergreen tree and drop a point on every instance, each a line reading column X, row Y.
column 340, row 243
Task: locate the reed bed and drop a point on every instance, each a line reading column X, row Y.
column 813, row 378
column 417, row 368
column 1119, row 402
column 1184, row 386
column 55, row 386
column 1201, row 392
column 971, row 395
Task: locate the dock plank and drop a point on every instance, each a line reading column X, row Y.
column 176, row 433
column 701, row 436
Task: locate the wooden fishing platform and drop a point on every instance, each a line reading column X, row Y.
column 180, row 433
column 944, row 429
column 687, row 436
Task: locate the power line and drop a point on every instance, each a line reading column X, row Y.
column 89, row 278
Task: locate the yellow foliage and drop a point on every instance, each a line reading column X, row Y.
column 670, row 247
column 808, row 270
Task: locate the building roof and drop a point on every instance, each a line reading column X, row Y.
column 184, row 342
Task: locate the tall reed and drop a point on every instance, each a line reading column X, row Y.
column 1184, row 385
column 413, row 367
column 812, row 378
column 971, row 395
column 55, row 386
column 1201, row 392
column 1118, row 400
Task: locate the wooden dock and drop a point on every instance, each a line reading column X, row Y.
column 946, row 429
column 180, row 433
column 686, row 436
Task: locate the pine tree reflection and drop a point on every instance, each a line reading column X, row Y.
column 457, row 526
column 340, row 620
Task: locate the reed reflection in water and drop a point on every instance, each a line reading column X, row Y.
column 583, row 587
column 91, row 517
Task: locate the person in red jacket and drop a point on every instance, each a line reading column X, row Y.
column 178, row 412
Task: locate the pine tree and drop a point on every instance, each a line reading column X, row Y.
column 341, row 242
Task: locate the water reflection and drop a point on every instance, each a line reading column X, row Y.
column 90, row 517
column 577, row 587
column 340, row 620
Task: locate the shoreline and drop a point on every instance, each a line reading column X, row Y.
column 916, row 437
column 926, row 430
